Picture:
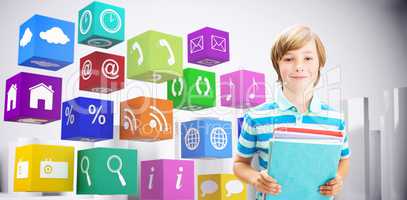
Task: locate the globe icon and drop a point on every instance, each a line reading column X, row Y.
column 192, row 139
column 219, row 139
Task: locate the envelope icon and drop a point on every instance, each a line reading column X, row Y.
column 196, row 44
column 218, row 43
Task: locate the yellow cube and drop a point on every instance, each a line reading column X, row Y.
column 221, row 187
column 44, row 168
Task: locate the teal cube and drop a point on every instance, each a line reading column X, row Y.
column 101, row 25
column 107, row 171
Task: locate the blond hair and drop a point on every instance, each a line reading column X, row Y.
column 294, row 38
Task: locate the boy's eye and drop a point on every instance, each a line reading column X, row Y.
column 309, row 58
column 287, row 59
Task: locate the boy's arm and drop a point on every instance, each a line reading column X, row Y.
column 343, row 167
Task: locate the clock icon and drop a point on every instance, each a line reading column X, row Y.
column 110, row 21
column 85, row 22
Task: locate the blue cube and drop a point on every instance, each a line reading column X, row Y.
column 239, row 126
column 46, row 43
column 87, row 119
column 206, row 138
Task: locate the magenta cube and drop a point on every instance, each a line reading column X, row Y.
column 208, row 47
column 167, row 180
column 32, row 98
column 242, row 89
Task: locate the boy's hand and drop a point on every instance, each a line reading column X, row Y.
column 265, row 183
column 332, row 187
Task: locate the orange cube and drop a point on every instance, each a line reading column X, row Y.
column 145, row 118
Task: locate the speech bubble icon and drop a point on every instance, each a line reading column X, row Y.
column 234, row 187
column 208, row 187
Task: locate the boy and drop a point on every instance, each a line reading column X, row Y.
column 298, row 55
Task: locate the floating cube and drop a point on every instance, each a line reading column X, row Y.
column 221, row 187
column 208, row 47
column 239, row 126
column 87, row 119
column 101, row 72
column 44, row 168
column 101, row 25
column 46, row 43
column 154, row 57
column 32, row 98
column 196, row 90
column 107, row 171
column 242, row 89
column 206, row 138
column 167, row 180
column 147, row 119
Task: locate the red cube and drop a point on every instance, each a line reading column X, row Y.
column 101, row 72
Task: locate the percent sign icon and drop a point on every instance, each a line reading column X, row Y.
column 70, row 117
column 96, row 114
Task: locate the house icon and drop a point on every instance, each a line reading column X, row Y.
column 12, row 97
column 41, row 92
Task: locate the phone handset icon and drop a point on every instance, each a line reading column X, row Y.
column 136, row 46
column 231, row 89
column 171, row 59
column 253, row 89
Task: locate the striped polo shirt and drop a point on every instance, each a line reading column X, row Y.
column 259, row 122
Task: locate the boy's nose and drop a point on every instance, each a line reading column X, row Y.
column 299, row 68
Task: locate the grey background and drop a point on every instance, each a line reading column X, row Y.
column 366, row 39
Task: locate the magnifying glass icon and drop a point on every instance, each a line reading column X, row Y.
column 117, row 169
column 85, row 170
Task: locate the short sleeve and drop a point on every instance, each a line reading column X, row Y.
column 345, row 151
column 246, row 146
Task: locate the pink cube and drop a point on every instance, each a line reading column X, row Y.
column 242, row 89
column 167, row 180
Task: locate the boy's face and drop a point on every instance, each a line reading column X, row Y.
column 299, row 68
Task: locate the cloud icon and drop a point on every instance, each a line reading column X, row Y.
column 55, row 35
column 26, row 37
column 234, row 187
column 208, row 187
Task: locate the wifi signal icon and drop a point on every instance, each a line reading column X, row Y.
column 158, row 119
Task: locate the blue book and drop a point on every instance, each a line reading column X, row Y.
column 302, row 166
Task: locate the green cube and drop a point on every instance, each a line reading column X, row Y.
column 101, row 25
column 107, row 171
column 154, row 57
column 196, row 90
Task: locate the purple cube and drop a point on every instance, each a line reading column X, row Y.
column 208, row 47
column 167, row 180
column 32, row 98
column 242, row 89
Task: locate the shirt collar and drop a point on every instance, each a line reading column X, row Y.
column 284, row 104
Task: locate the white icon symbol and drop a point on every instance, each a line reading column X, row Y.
column 136, row 47
column 22, row 169
column 171, row 59
column 253, row 88
column 219, row 138
column 218, row 43
column 192, row 139
column 41, row 92
column 86, row 70
column 51, row 169
column 102, row 90
column 196, row 44
column 231, row 90
column 85, row 169
column 181, row 87
column 178, row 186
column 85, row 22
column 234, row 187
column 208, row 62
column 198, row 86
column 55, row 35
column 97, row 114
column 110, row 69
column 43, row 63
column 110, row 21
column 70, row 117
column 208, row 187
column 27, row 36
column 192, row 107
column 156, row 77
column 158, row 119
column 116, row 170
column 151, row 178
column 12, row 97
column 99, row 42
column 129, row 122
